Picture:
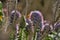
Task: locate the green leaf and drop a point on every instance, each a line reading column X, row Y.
column 22, row 22
column 0, row 5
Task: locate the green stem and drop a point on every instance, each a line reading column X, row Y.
column 34, row 34
column 21, row 34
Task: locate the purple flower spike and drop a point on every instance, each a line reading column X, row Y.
column 37, row 18
column 14, row 14
column 57, row 26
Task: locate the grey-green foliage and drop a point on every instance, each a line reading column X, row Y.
column 52, row 36
column 22, row 32
column 22, row 22
column 11, row 37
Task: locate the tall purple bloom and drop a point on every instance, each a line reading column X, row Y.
column 47, row 26
column 37, row 19
column 14, row 15
column 57, row 26
column 28, row 25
